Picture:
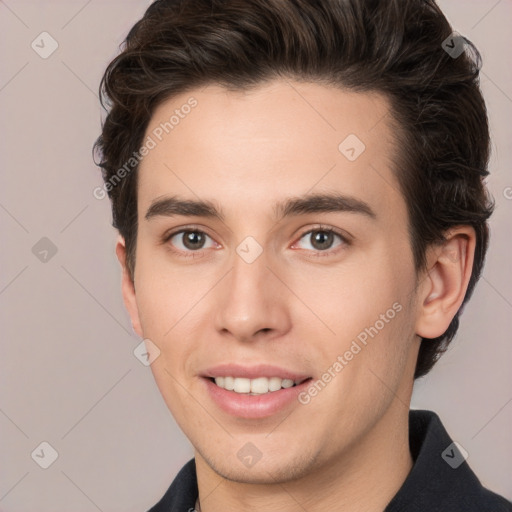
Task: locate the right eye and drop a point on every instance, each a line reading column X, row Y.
column 189, row 241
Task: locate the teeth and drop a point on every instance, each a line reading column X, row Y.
column 287, row 383
column 229, row 383
column 274, row 383
column 258, row 386
column 242, row 385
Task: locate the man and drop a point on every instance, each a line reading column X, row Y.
column 298, row 188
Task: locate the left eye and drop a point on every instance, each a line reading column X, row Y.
column 322, row 239
column 188, row 240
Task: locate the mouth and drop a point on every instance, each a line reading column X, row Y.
column 254, row 398
column 256, row 386
column 254, row 392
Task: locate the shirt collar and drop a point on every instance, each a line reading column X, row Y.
column 440, row 479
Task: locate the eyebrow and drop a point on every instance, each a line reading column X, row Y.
column 311, row 203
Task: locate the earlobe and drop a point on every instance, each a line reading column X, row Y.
column 444, row 286
column 128, row 288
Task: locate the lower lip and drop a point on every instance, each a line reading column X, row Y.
column 254, row 406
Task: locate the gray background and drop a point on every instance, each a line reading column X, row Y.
column 68, row 373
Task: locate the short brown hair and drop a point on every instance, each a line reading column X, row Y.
column 395, row 47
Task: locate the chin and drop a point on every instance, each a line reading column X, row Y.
column 278, row 469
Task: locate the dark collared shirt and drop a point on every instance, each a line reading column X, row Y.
column 440, row 480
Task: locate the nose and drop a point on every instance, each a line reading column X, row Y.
column 251, row 302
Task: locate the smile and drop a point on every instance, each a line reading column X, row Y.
column 267, row 400
column 257, row 386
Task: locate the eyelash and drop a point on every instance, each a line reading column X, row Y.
column 194, row 254
column 329, row 252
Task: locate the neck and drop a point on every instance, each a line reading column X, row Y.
column 365, row 477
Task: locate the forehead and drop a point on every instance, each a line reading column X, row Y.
column 247, row 150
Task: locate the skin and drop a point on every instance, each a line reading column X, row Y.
column 294, row 306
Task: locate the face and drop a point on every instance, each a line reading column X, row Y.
column 294, row 264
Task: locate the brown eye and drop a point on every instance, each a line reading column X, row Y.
column 189, row 240
column 322, row 239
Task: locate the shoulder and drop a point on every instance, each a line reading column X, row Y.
column 182, row 493
column 441, row 480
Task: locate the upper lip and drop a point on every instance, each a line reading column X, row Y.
column 253, row 372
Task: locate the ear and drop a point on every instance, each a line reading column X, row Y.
column 128, row 288
column 442, row 289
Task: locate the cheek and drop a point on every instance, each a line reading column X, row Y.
column 367, row 307
column 352, row 297
column 165, row 294
column 369, row 368
column 171, row 304
column 164, row 310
